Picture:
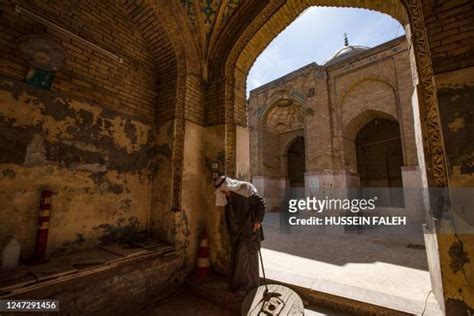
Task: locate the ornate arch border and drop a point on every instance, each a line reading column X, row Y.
column 431, row 128
column 229, row 117
column 433, row 145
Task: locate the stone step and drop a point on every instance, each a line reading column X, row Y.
column 215, row 290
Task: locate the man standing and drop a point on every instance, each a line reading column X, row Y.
column 244, row 212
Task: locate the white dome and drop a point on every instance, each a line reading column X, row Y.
column 344, row 53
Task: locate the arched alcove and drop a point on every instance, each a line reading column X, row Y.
column 379, row 161
column 281, row 121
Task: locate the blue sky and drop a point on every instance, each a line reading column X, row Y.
column 317, row 34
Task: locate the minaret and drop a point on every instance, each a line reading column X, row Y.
column 346, row 40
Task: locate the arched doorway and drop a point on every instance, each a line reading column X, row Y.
column 259, row 33
column 277, row 127
column 296, row 163
column 379, row 160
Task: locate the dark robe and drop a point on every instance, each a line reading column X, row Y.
column 241, row 213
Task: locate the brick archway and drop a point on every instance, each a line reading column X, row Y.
column 275, row 121
column 273, row 18
column 277, row 97
column 353, row 127
column 177, row 87
column 279, row 14
column 178, row 62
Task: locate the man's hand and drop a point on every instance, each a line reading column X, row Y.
column 256, row 226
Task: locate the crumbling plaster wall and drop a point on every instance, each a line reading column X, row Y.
column 98, row 162
column 162, row 220
column 456, row 99
column 455, row 92
column 219, row 243
column 91, row 138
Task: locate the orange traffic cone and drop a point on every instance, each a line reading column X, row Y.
column 203, row 267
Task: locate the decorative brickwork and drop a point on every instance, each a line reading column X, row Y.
column 431, row 125
column 332, row 117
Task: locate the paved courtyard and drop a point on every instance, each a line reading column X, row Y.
column 382, row 268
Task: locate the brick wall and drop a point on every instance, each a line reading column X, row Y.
column 388, row 78
column 96, row 128
column 145, row 78
column 338, row 109
column 214, row 105
column 268, row 146
column 121, row 290
column 150, row 25
column 277, row 22
column 194, row 101
column 381, row 100
column 450, row 27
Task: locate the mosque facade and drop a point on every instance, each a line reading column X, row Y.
column 345, row 124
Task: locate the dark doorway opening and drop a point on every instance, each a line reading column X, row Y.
column 379, row 161
column 296, row 163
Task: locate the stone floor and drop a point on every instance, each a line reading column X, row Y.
column 378, row 267
column 186, row 304
column 384, row 268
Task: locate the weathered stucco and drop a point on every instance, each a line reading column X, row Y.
column 161, row 219
column 219, row 243
column 97, row 162
column 456, row 101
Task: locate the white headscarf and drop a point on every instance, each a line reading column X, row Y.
column 227, row 184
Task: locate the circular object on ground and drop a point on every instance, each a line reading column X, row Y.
column 279, row 300
column 41, row 52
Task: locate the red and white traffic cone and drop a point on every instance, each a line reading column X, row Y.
column 203, row 267
column 43, row 227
